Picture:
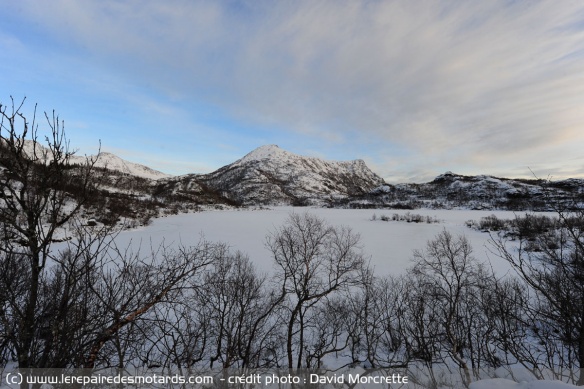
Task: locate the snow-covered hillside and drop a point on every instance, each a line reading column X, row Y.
column 113, row 162
column 271, row 175
column 450, row 190
column 102, row 160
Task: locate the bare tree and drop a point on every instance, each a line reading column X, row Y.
column 83, row 303
column 175, row 334
column 327, row 327
column 238, row 309
column 375, row 322
column 384, row 305
column 313, row 260
column 133, row 284
column 551, row 263
column 41, row 191
column 507, row 317
column 422, row 327
column 450, row 279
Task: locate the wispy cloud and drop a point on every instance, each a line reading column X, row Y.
column 468, row 86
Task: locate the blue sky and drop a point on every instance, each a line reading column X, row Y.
column 415, row 88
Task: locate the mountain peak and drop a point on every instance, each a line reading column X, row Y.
column 271, row 175
column 263, row 152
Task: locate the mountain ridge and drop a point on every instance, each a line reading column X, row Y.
column 270, row 175
column 111, row 161
column 103, row 159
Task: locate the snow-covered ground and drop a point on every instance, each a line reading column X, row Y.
column 388, row 244
column 501, row 383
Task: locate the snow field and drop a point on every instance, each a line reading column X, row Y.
column 388, row 244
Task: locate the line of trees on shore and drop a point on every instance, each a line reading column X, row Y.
column 92, row 304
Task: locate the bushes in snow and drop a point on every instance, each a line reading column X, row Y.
column 407, row 217
column 205, row 307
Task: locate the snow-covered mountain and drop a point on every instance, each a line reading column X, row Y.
column 271, row 175
column 113, row 162
column 450, row 190
column 104, row 160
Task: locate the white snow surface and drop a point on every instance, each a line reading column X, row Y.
column 388, row 245
column 264, row 152
column 502, row 383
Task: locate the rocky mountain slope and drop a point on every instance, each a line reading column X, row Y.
column 451, row 190
column 270, row 175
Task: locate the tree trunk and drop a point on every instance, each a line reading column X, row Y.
column 581, row 352
column 28, row 325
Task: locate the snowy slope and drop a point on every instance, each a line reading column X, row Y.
column 113, row 162
column 450, row 190
column 104, row 160
column 270, row 175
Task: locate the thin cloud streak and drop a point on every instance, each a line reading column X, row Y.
column 468, row 86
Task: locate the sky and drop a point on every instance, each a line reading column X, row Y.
column 414, row 88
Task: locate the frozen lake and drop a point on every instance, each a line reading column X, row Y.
column 389, row 245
